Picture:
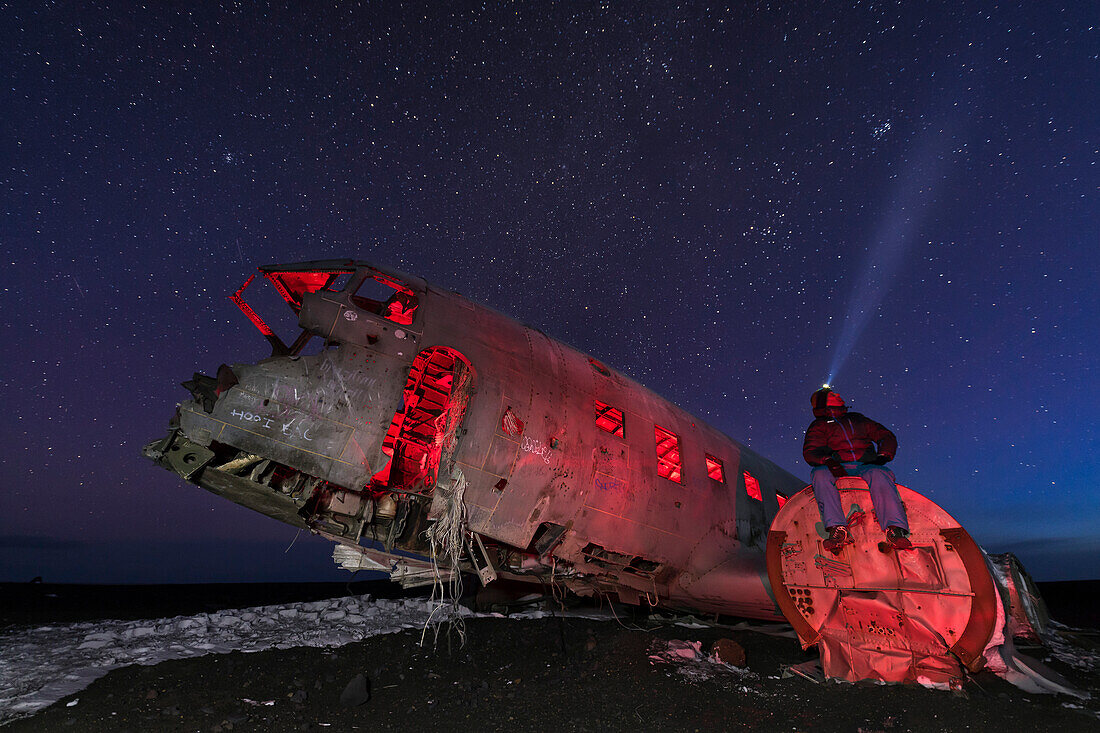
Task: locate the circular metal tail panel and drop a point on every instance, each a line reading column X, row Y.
column 877, row 612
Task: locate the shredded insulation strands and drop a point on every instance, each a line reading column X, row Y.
column 446, row 539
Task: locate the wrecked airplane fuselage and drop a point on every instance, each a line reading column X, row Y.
column 427, row 435
column 567, row 471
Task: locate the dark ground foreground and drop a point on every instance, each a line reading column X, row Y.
column 542, row 675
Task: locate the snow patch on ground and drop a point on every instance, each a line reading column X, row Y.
column 40, row 665
column 1075, row 655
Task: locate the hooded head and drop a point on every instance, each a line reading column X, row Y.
column 827, row 403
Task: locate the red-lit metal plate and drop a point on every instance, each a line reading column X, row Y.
column 876, row 612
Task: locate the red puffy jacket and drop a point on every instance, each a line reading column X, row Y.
column 850, row 437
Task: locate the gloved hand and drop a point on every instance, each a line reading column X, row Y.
column 835, row 467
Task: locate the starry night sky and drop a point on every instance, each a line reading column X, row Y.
column 726, row 204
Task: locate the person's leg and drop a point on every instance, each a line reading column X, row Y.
column 828, row 498
column 884, row 495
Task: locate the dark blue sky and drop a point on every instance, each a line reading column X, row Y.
column 725, row 204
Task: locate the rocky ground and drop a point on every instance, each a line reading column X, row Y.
column 538, row 675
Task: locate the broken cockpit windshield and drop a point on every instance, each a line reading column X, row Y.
column 350, row 286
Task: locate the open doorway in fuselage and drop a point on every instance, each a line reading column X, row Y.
column 423, row 435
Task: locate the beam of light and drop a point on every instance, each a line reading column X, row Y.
column 891, row 240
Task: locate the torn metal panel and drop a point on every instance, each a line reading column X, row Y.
column 307, row 412
column 1027, row 612
column 352, row 558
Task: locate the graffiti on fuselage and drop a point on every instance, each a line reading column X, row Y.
column 297, row 427
column 536, row 447
column 608, row 483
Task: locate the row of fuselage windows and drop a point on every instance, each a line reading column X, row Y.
column 669, row 461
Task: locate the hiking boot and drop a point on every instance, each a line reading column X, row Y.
column 838, row 537
column 899, row 540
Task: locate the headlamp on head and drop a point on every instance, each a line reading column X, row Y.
column 825, row 399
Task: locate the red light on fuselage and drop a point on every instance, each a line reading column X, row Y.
column 715, row 470
column 609, row 419
column 752, row 487
column 668, row 454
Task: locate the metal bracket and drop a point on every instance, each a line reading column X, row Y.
column 155, row 450
column 187, row 458
column 479, row 558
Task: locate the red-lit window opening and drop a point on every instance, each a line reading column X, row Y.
column 610, row 419
column 668, row 454
column 752, row 486
column 434, row 402
column 387, row 298
column 781, row 499
column 292, row 285
column 715, row 470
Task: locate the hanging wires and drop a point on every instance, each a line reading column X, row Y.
column 446, row 539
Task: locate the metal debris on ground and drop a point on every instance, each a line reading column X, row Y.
column 809, row 670
column 687, row 659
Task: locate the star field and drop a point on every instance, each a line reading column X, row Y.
column 722, row 202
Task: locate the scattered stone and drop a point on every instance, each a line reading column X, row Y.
column 357, row 691
column 299, row 697
column 728, row 652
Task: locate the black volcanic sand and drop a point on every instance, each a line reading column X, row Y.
column 541, row 675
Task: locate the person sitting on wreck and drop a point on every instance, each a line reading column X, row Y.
column 841, row 443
